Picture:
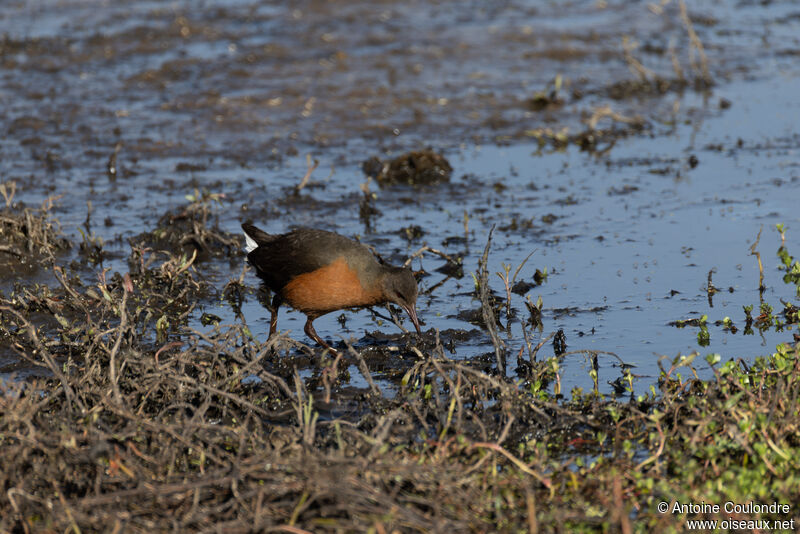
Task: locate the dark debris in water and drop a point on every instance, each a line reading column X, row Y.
column 412, row 233
column 454, row 269
column 681, row 323
column 422, row 167
column 573, row 311
column 522, row 286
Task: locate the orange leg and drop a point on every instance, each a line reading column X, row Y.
column 310, row 332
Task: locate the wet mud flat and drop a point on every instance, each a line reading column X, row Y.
column 141, row 393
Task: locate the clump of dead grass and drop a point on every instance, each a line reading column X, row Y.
column 28, row 234
column 192, row 230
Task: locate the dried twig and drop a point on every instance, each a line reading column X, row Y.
column 754, row 252
column 629, row 46
column 486, row 308
column 696, row 44
column 311, row 166
column 426, row 248
column 362, row 366
column 112, row 364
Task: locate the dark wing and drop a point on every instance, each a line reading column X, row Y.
column 280, row 258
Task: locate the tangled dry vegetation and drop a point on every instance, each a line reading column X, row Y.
column 27, row 234
column 143, row 425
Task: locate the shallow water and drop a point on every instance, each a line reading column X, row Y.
column 614, row 258
column 231, row 97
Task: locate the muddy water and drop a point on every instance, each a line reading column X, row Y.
column 232, row 96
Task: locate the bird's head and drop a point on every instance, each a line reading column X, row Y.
column 400, row 287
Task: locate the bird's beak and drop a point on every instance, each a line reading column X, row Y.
column 412, row 312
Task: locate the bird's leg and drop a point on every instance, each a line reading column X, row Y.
column 273, row 320
column 310, row 332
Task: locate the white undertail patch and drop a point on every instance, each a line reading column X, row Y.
column 249, row 243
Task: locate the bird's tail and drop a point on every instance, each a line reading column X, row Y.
column 254, row 237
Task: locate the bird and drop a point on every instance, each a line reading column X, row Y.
column 318, row 272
